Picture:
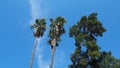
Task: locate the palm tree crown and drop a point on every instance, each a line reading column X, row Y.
column 56, row 29
column 40, row 27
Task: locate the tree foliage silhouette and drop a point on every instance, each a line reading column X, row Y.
column 108, row 61
column 87, row 53
column 85, row 33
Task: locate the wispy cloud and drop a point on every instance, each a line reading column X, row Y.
column 39, row 53
column 36, row 12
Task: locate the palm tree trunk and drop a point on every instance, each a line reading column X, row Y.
column 53, row 52
column 33, row 52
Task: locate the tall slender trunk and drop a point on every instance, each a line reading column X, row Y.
column 53, row 52
column 33, row 52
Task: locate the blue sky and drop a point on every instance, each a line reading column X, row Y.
column 16, row 39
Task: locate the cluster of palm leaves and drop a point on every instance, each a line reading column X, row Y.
column 40, row 27
column 56, row 29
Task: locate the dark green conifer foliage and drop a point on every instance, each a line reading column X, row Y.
column 85, row 33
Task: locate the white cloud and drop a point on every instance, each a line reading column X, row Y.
column 36, row 11
column 39, row 53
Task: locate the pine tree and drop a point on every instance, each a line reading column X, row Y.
column 85, row 33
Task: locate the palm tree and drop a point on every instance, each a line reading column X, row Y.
column 39, row 28
column 56, row 30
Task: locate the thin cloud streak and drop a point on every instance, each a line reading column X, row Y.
column 35, row 9
column 39, row 53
